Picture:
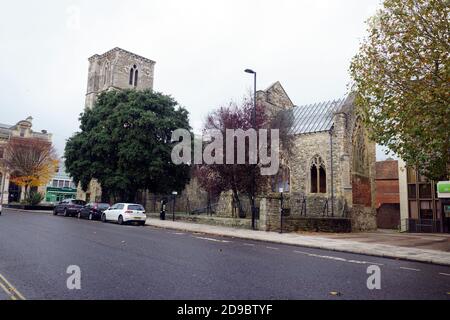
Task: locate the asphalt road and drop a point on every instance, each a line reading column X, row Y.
column 131, row 262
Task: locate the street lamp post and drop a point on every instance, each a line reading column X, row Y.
column 2, row 189
column 254, row 127
column 173, row 208
column 281, row 210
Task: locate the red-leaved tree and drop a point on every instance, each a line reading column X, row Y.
column 238, row 178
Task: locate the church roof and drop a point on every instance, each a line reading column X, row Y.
column 314, row 117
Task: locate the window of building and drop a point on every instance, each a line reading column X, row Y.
column 1, row 153
column 134, row 76
column 60, row 183
column 322, row 180
column 318, row 176
column 106, row 73
column 412, row 189
column 131, row 76
column 313, row 179
column 426, row 210
column 22, row 132
column 66, row 184
column 55, row 183
column 425, row 191
column 413, row 210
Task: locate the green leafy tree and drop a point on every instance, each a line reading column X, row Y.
column 125, row 143
column 401, row 77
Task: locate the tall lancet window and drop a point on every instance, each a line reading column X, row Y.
column 106, row 73
column 318, row 176
column 134, row 76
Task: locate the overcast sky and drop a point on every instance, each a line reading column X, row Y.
column 201, row 49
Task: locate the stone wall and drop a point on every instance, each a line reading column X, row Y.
column 209, row 220
column 226, row 207
column 93, row 193
column 306, row 148
column 270, row 219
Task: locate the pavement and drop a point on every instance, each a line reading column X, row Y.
column 384, row 244
column 141, row 263
column 439, row 241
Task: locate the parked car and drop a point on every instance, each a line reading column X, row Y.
column 69, row 207
column 125, row 212
column 92, row 211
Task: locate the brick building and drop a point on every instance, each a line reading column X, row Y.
column 387, row 194
column 421, row 207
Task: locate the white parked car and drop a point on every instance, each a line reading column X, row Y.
column 125, row 212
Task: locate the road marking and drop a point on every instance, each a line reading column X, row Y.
column 272, row 248
column 211, row 239
column 179, row 233
column 444, row 274
column 410, row 269
column 338, row 258
column 249, row 244
column 9, row 289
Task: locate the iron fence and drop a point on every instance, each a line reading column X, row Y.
column 423, row 225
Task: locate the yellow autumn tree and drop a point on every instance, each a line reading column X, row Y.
column 32, row 162
column 401, row 77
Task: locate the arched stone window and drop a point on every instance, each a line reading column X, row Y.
column 106, row 73
column 318, row 175
column 134, row 76
column 131, row 76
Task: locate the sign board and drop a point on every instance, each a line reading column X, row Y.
column 443, row 189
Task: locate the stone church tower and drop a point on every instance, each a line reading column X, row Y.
column 118, row 69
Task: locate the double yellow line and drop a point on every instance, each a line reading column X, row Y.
column 9, row 289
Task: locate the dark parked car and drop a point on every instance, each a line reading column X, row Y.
column 93, row 211
column 69, row 207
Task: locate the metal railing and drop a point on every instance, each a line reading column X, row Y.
column 208, row 210
column 423, row 225
column 325, row 209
